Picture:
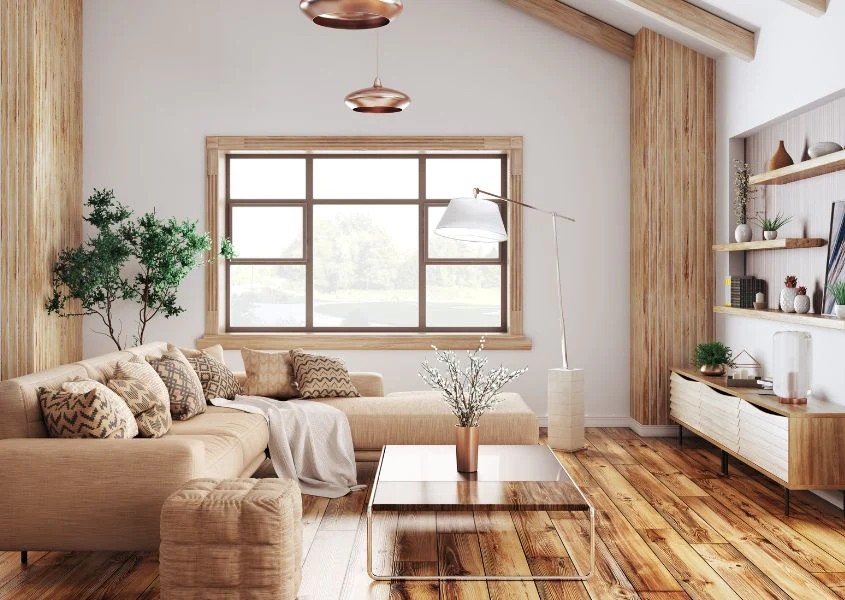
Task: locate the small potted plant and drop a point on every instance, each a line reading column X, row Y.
column 711, row 358
column 837, row 290
column 744, row 193
column 770, row 226
column 802, row 301
column 787, row 294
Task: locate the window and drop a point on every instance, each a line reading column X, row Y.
column 346, row 243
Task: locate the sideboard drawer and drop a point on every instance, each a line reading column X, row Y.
column 764, row 439
column 685, row 400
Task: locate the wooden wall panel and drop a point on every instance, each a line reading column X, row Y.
column 672, row 215
column 41, row 177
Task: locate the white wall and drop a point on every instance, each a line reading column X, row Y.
column 160, row 75
column 799, row 61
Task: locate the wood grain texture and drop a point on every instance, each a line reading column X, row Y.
column 813, row 167
column 41, row 183
column 809, row 319
column 704, row 26
column 814, row 7
column 579, row 24
column 779, row 244
column 364, row 341
column 672, row 215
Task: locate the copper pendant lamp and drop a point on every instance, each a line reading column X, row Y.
column 351, row 14
column 377, row 99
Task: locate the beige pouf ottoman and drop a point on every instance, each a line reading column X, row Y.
column 232, row 538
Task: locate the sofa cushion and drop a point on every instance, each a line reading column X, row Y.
column 91, row 414
column 146, row 395
column 216, row 379
column 183, row 385
column 215, row 351
column 81, row 385
column 269, row 374
column 422, row 418
column 321, row 376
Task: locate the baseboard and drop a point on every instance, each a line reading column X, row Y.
column 653, row 430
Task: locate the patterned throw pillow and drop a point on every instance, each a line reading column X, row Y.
column 321, row 377
column 216, row 378
column 88, row 415
column 183, row 385
column 146, row 395
column 269, row 374
column 81, row 385
column 215, row 351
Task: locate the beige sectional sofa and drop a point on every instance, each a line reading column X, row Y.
column 81, row 494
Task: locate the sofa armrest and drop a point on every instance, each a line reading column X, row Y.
column 83, row 494
column 368, row 384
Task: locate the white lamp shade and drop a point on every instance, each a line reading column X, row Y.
column 472, row 220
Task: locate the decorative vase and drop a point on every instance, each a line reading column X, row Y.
column 780, row 159
column 770, row 235
column 713, row 370
column 466, row 448
column 802, row 304
column 787, row 299
column 743, row 233
column 823, row 149
column 839, row 310
column 792, row 363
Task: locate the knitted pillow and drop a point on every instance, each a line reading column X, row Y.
column 80, row 385
column 183, row 385
column 146, row 395
column 88, row 415
column 216, row 378
column 321, row 377
column 269, row 374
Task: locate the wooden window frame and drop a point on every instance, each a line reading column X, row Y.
column 219, row 148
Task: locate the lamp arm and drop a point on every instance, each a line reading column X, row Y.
column 563, row 352
column 476, row 191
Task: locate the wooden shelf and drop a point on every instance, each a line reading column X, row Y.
column 778, row 244
column 811, row 320
column 803, row 170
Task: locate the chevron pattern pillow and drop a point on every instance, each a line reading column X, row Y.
column 321, row 377
column 216, row 379
column 81, row 385
column 88, row 415
column 146, row 395
column 183, row 385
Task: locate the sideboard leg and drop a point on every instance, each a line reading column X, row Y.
column 680, row 435
column 725, row 459
column 786, row 502
column 24, row 557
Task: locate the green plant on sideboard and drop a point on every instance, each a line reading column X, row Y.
column 711, row 357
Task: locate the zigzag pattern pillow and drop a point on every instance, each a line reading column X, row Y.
column 80, row 385
column 88, row 415
column 216, row 378
column 146, row 395
column 183, row 385
column 321, row 377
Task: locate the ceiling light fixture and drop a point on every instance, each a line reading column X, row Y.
column 377, row 99
column 351, row 14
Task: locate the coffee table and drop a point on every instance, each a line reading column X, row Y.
column 509, row 478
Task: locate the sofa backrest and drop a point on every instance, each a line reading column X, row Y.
column 20, row 411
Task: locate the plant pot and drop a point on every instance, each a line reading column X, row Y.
column 787, row 299
column 713, row 370
column 802, row 304
column 770, row 235
column 839, row 310
column 743, row 233
column 466, row 449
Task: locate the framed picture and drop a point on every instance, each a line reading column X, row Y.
column 835, row 253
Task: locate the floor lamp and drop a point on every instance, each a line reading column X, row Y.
column 478, row 220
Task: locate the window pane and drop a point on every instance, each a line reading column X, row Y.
column 267, row 231
column 447, row 178
column 267, row 295
column 463, row 296
column 366, row 266
column 441, row 247
column 267, row 178
column 366, row 178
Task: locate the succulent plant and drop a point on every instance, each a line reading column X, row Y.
column 791, row 281
column 802, row 291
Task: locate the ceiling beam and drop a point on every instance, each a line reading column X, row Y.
column 698, row 23
column 814, row 7
column 579, row 24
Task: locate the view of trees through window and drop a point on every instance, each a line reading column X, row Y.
column 347, row 242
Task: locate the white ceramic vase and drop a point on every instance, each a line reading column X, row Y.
column 742, row 233
column 770, row 235
column 802, row 304
column 787, row 299
column 839, row 310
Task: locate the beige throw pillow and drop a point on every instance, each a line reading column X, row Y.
column 216, row 378
column 183, row 385
column 88, row 415
column 146, row 395
column 215, row 352
column 269, row 374
column 81, row 385
column 321, row 377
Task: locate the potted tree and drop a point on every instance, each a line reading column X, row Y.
column 712, row 357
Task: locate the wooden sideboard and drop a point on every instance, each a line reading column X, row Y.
column 802, row 447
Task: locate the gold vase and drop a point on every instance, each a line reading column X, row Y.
column 713, row 370
column 466, row 448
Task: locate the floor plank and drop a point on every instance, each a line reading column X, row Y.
column 502, row 554
column 745, row 579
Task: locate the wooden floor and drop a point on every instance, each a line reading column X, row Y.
column 670, row 527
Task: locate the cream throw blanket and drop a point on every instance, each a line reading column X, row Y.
column 309, row 441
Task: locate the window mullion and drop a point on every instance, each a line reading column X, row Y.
column 423, row 245
column 309, row 243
